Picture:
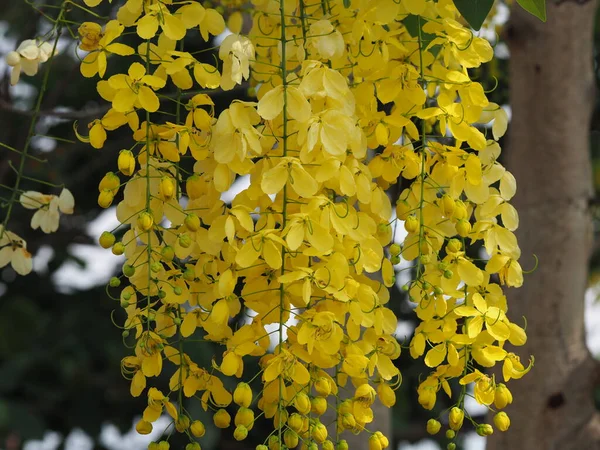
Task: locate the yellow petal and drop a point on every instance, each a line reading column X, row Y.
column 148, row 99
column 271, row 104
column 298, row 107
column 436, row 355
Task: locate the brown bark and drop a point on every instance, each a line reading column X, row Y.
column 552, row 91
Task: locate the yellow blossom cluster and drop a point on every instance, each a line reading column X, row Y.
column 354, row 96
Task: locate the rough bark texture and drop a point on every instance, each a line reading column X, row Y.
column 552, row 91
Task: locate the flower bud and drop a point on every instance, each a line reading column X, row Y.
column 290, row 438
column 107, row 239
column 167, row 253
column 194, row 187
column 182, row 423
column 374, row 443
column 274, row 443
column 318, row 406
column 126, row 162
column 453, row 246
column 433, row 426
column 110, row 182
column 262, row 447
column 128, row 270
column 460, row 210
column 240, row 433
column 455, row 418
column 484, row 429
column 448, row 205
column 327, row 445
column 118, row 249
column 192, row 222
column 295, row 422
column 163, row 445
column 348, row 421
column 114, row 282
column 166, row 188
column 197, row 428
column 451, row 446
column 342, row 445
column 242, row 395
column 382, row 439
column 322, row 386
column 189, row 274
column 245, row 417
column 411, row 224
column 395, row 260
column 345, row 407
column 185, row 240
column 395, row 249
column 502, row 396
column 13, row 58
column 463, row 228
column 222, row 419
column 450, row 434
column 193, row 446
column 143, row 427
column 319, row 432
column 145, row 221
column 402, row 209
column 105, row 198
column 302, row 403
column 502, row 421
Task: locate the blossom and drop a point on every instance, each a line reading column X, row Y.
column 95, row 62
column 236, row 52
column 27, row 58
column 13, row 250
column 48, row 207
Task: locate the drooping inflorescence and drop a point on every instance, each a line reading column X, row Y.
column 353, row 96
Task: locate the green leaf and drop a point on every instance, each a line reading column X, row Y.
column 475, row 11
column 535, row 7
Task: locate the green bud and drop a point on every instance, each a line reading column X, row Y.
column 167, row 253
column 114, row 282
column 128, row 270
column 189, row 275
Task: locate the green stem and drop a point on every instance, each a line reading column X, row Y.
column 284, row 208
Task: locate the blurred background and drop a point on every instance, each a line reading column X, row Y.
column 60, row 379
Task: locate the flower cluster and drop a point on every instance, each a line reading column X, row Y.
column 353, row 96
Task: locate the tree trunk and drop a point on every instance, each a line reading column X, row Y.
column 552, row 92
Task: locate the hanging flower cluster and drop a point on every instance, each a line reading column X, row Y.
column 353, row 95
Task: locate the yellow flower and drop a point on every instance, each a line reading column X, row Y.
column 96, row 61
column 13, row 250
column 502, row 421
column 135, row 89
column 236, row 52
column 90, row 33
